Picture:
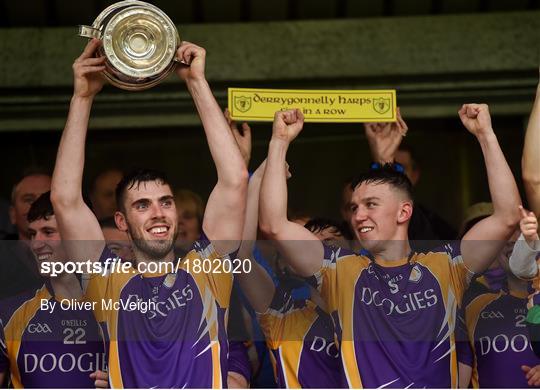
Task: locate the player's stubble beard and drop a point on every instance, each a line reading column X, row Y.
column 151, row 249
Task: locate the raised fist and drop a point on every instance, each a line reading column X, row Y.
column 476, row 118
column 287, row 124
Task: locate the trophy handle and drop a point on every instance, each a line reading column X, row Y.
column 89, row 32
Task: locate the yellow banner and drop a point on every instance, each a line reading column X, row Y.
column 247, row 104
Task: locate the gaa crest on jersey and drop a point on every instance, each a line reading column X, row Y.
column 381, row 105
column 39, row 328
column 242, row 103
column 416, row 274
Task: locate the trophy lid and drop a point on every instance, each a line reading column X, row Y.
column 139, row 39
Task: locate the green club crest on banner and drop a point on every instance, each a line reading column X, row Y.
column 381, row 105
column 242, row 103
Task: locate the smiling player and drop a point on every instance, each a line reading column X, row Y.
column 394, row 311
column 183, row 342
column 57, row 347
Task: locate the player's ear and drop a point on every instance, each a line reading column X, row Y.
column 405, row 211
column 120, row 220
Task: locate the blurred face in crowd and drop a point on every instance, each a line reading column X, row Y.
column 346, row 196
column 411, row 169
column 45, row 241
column 150, row 219
column 189, row 228
column 380, row 213
column 331, row 236
column 103, row 194
column 118, row 242
column 24, row 194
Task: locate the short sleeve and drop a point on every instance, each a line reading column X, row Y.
column 460, row 275
column 327, row 277
column 219, row 277
column 239, row 360
column 273, row 320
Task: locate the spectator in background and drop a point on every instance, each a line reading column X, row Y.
column 190, row 210
column 436, row 228
column 426, row 228
column 18, row 270
column 25, row 191
column 7, row 229
column 117, row 240
column 102, row 192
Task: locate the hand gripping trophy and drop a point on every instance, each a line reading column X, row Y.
column 139, row 43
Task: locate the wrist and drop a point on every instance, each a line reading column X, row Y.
column 486, row 136
column 196, row 82
column 278, row 142
column 384, row 159
column 82, row 99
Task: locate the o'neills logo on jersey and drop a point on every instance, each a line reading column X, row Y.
column 322, row 345
column 66, row 362
column 411, row 302
column 39, row 328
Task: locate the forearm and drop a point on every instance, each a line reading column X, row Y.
column 249, row 234
column 530, row 162
column 66, row 187
column 230, row 165
column 273, row 197
column 502, row 185
column 257, row 286
column 523, row 259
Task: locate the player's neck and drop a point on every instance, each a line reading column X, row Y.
column 142, row 257
column 67, row 286
column 394, row 251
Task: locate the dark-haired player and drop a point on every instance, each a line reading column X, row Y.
column 181, row 342
column 395, row 310
column 44, row 344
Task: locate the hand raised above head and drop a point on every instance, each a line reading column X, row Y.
column 87, row 78
column 287, row 124
column 476, row 118
column 191, row 61
column 384, row 138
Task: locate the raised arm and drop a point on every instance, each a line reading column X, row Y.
column 530, row 162
column 257, row 285
column 224, row 216
column 486, row 239
column 78, row 225
column 302, row 249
